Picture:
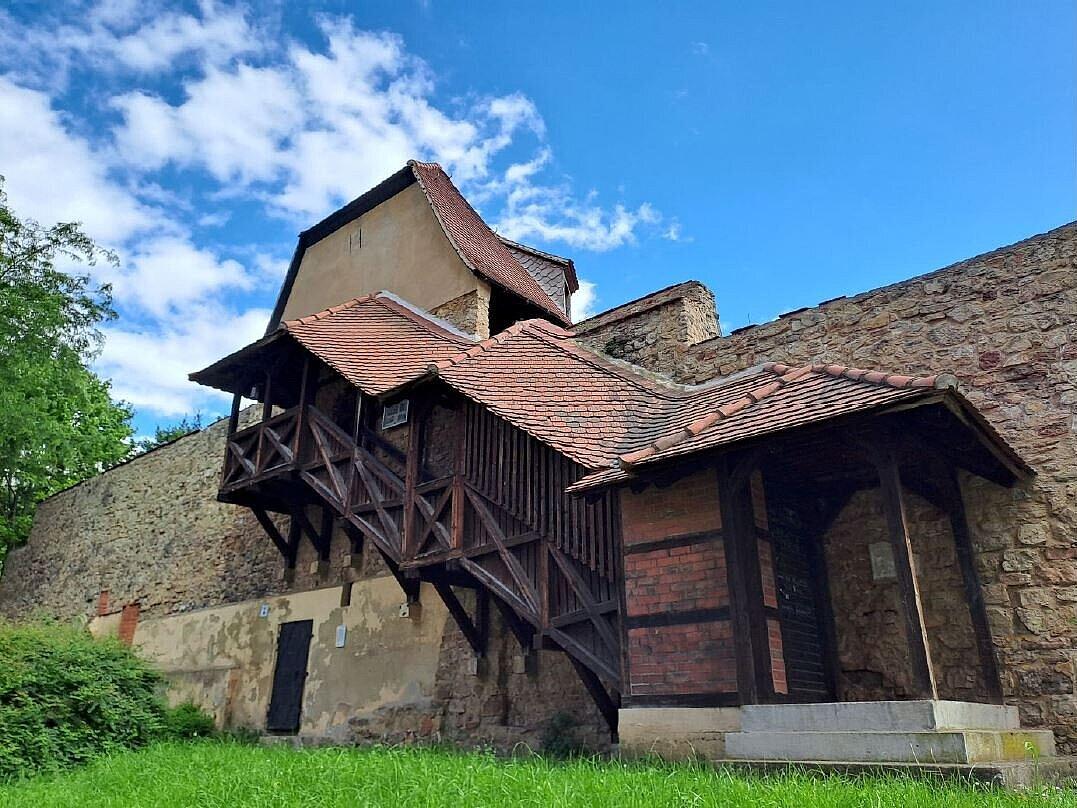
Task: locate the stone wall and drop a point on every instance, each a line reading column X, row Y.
column 1005, row 324
column 654, row 331
column 149, row 531
column 873, row 647
column 470, row 312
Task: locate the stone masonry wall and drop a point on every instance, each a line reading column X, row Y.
column 150, row 531
column 873, row 647
column 469, row 312
column 654, row 331
column 1005, row 324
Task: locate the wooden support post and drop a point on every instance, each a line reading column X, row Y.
column 295, row 535
column 973, row 588
column 325, row 534
column 233, row 416
column 457, row 517
column 475, row 631
column 909, row 588
column 750, row 640
column 412, row 469
column 267, row 398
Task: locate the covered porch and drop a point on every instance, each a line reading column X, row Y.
column 813, row 594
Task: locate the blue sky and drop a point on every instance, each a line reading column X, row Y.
column 783, row 153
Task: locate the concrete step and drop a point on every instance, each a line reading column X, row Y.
column 977, row 746
column 878, row 716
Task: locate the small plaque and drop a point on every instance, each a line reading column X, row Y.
column 342, row 634
column 882, row 561
column 405, row 610
column 264, row 610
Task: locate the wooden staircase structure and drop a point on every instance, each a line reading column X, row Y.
column 468, row 502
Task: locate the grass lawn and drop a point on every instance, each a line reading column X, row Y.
column 210, row 773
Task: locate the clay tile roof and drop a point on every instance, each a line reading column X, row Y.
column 476, row 244
column 782, row 398
column 607, row 416
column 377, row 342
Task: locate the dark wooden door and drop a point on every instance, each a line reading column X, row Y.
column 293, row 648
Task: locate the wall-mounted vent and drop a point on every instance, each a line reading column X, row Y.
column 394, row 414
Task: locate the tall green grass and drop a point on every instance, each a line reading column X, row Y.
column 212, row 773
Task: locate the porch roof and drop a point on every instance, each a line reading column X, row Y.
column 377, row 342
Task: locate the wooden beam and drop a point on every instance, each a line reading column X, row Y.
column 908, row 587
column 410, row 586
column 607, row 705
column 476, row 631
column 521, row 629
column 267, row 399
column 745, row 585
column 271, row 530
column 325, row 534
column 985, row 646
column 233, row 416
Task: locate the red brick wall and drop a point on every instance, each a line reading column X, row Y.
column 680, row 639
column 689, row 659
column 676, row 579
column 129, row 622
column 689, row 505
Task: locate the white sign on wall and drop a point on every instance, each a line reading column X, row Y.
column 882, row 561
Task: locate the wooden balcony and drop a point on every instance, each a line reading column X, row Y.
column 466, row 528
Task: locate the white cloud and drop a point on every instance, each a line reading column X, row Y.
column 583, row 301
column 53, row 175
column 149, row 366
column 232, row 123
column 202, row 112
column 167, row 273
column 551, row 213
column 119, row 35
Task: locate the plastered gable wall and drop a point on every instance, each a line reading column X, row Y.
column 398, row 246
column 1005, row 324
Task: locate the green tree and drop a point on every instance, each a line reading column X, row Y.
column 166, row 434
column 58, row 423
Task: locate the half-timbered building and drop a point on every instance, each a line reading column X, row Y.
column 774, row 560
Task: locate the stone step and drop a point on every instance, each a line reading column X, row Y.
column 878, row 716
column 977, row 746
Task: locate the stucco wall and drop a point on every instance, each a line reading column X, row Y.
column 1005, row 324
column 223, row 658
column 401, row 248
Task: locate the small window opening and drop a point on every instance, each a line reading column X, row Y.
column 394, row 414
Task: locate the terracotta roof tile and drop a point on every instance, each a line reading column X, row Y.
column 476, row 244
column 603, row 414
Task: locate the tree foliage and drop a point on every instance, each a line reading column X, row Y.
column 58, row 423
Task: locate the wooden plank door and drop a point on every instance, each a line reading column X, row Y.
column 286, row 701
